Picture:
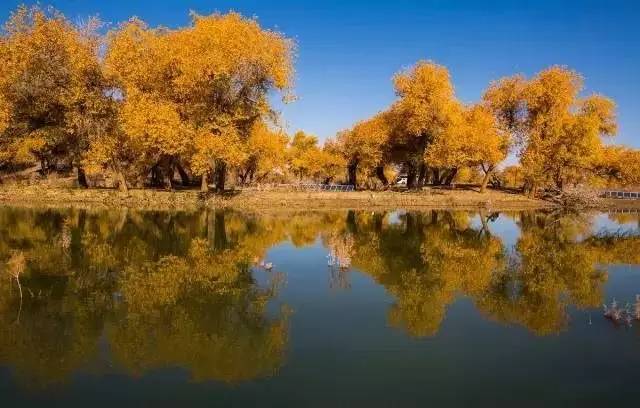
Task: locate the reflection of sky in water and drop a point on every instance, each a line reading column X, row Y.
column 602, row 222
column 395, row 217
column 504, row 227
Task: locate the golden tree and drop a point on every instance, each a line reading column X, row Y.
column 619, row 166
column 563, row 132
column 210, row 81
column 471, row 139
column 52, row 92
column 364, row 144
column 425, row 107
column 302, row 153
column 266, row 153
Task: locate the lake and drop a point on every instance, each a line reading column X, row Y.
column 341, row 308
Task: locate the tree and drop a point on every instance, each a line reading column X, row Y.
column 563, row 132
column 511, row 176
column 331, row 162
column 619, row 166
column 266, row 152
column 303, row 152
column 425, row 107
column 307, row 160
column 211, row 79
column 472, row 139
column 505, row 98
column 364, row 144
column 52, row 91
column 489, row 145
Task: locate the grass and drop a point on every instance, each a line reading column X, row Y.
column 463, row 197
column 38, row 195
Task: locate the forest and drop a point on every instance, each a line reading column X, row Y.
column 135, row 106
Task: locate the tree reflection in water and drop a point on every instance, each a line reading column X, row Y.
column 168, row 289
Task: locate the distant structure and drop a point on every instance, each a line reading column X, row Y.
column 621, row 194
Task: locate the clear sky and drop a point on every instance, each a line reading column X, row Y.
column 349, row 50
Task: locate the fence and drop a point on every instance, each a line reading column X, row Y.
column 306, row 187
column 625, row 195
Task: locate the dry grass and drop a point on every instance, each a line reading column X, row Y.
column 51, row 195
column 442, row 199
column 191, row 199
column 107, row 198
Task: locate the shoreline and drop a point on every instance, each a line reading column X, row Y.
column 147, row 199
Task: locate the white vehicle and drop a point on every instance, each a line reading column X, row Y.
column 401, row 181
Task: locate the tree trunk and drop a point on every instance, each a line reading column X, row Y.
column 167, row 181
column 168, row 168
column 436, row 176
column 352, row 222
column 378, row 219
column 485, row 179
column 122, row 182
column 82, row 178
column 156, row 176
column 411, row 176
column 452, row 175
column 485, row 226
column 204, row 183
column 352, row 173
column 422, row 175
column 410, row 224
column 220, row 241
column 381, row 176
column 221, row 176
column 434, row 217
column 243, row 176
column 184, row 176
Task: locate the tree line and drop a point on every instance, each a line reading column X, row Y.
column 145, row 106
column 557, row 135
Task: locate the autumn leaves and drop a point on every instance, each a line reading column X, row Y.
column 145, row 105
column 146, row 101
column 556, row 134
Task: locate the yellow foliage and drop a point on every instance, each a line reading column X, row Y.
column 224, row 144
column 51, row 87
column 504, row 98
column 154, row 125
column 563, row 133
column 364, row 143
column 266, row 151
column 195, row 92
column 619, row 166
column 426, row 97
column 472, row 138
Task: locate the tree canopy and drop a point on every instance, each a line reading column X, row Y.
column 141, row 106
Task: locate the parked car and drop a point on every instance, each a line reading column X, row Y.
column 401, row 181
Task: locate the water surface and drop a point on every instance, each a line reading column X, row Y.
column 343, row 308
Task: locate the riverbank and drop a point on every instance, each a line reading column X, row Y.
column 258, row 200
column 430, row 198
column 148, row 199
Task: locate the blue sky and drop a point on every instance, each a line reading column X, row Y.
column 349, row 50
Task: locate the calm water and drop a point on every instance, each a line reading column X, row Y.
column 322, row 309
